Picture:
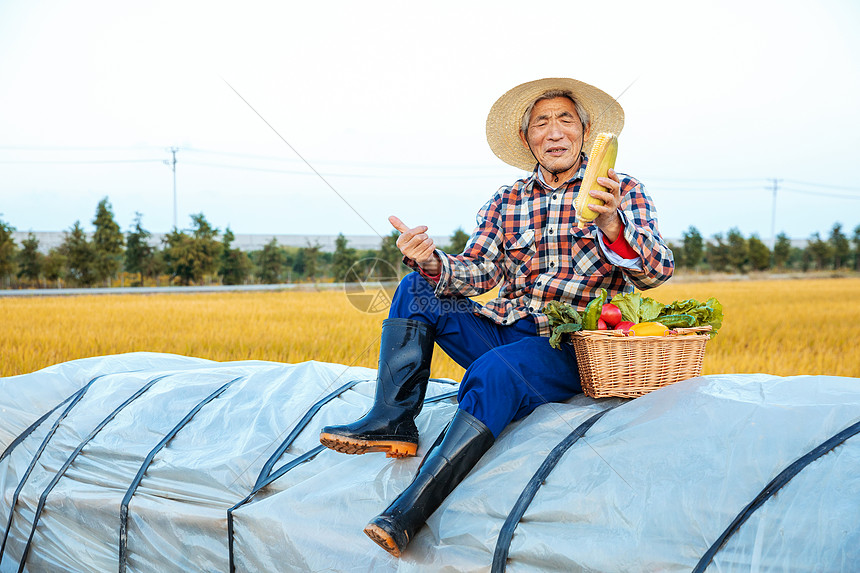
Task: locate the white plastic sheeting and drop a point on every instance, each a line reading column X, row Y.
column 650, row 487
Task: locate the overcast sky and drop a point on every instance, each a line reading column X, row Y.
column 388, row 102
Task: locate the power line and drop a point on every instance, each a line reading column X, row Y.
column 845, row 187
column 658, row 183
column 80, row 162
column 775, row 188
column 818, row 194
column 172, row 164
column 61, row 148
column 352, row 175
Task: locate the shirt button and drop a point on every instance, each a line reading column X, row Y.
column 537, row 283
column 552, row 264
column 532, row 307
column 554, row 196
column 550, row 231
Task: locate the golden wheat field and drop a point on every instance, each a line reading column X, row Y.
column 777, row 327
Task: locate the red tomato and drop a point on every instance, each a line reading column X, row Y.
column 611, row 315
column 601, row 324
column 624, row 326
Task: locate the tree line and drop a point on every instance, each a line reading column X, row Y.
column 202, row 254
column 736, row 253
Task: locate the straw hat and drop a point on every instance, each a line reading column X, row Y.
column 505, row 118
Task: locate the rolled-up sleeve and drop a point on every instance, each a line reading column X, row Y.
column 639, row 217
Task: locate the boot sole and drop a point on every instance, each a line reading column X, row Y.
column 382, row 538
column 392, row 449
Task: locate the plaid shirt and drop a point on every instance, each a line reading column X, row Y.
column 527, row 241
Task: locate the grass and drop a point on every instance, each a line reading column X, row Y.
column 777, row 327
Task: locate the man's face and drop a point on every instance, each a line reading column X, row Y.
column 555, row 134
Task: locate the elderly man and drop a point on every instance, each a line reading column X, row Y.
column 527, row 242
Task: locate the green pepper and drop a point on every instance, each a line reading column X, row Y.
column 677, row 320
column 593, row 310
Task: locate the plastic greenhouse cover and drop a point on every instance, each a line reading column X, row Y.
column 653, row 485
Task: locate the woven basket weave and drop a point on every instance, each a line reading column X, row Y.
column 611, row 364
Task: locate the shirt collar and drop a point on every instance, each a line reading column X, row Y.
column 537, row 175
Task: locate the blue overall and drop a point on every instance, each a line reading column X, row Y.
column 510, row 370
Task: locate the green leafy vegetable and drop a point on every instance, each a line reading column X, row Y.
column 560, row 313
column 559, row 331
column 637, row 308
column 649, row 309
column 709, row 312
column 563, row 319
column 628, row 303
column 676, row 320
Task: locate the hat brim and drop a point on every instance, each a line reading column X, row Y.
column 505, row 117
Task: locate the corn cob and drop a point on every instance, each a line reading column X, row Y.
column 600, row 161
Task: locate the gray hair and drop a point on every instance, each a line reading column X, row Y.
column 552, row 94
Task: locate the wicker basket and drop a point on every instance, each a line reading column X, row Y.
column 611, row 364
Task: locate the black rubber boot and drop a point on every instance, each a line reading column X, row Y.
column 445, row 465
column 404, row 370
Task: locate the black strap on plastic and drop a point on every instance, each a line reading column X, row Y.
column 38, row 422
column 71, row 459
column 123, row 511
column 307, row 456
column 265, row 476
column 503, row 543
column 32, row 427
column 288, row 441
column 75, row 398
column 770, row 489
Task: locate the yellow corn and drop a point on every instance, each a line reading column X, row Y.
column 600, row 161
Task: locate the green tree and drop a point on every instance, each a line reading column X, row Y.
column 235, row 266
column 155, row 266
column 693, row 249
column 298, row 265
column 180, row 257
column 139, row 253
column 677, row 254
column 343, row 259
column 107, row 243
column 856, row 240
column 311, row 260
column 390, row 253
column 206, row 244
column 270, row 262
column 8, row 251
column 459, row 239
column 840, row 247
column 759, row 254
column 798, row 259
column 30, row 259
column 717, row 253
column 54, row 266
column 738, row 249
column 191, row 258
column 80, row 257
column 781, row 251
column 819, row 252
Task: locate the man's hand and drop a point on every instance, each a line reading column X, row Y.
column 417, row 245
column 608, row 220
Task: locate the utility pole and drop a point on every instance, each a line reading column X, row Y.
column 172, row 164
column 775, row 188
